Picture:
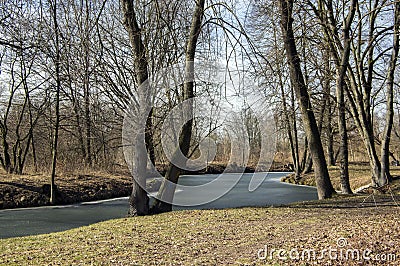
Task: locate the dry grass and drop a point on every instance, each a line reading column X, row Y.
column 212, row 237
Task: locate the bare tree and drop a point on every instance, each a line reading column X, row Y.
column 57, row 64
column 139, row 201
column 166, row 192
column 340, row 83
column 385, row 152
column 362, row 75
column 322, row 180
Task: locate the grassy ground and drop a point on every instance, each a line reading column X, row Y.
column 218, row 237
column 359, row 176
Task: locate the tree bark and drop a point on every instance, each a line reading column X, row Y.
column 363, row 102
column 53, row 188
column 6, row 162
column 305, row 154
column 308, row 165
column 166, row 193
column 289, row 129
column 322, row 180
column 287, row 120
column 295, row 135
column 149, row 138
column 327, row 78
column 139, row 201
column 329, row 135
column 359, row 95
column 385, row 152
column 86, row 88
column 340, row 83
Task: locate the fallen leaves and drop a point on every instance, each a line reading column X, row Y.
column 209, row 237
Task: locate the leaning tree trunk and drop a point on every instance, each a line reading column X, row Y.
column 362, row 96
column 308, row 166
column 166, row 193
column 340, row 83
column 139, row 201
column 322, row 180
column 287, row 120
column 385, row 153
column 289, row 129
column 366, row 130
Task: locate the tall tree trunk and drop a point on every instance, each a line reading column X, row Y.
column 359, row 95
column 329, row 135
column 309, row 162
column 31, row 140
column 88, row 151
column 21, row 153
column 365, row 105
column 139, row 201
column 53, row 188
column 308, row 165
column 385, row 153
column 287, row 120
column 343, row 151
column 340, row 83
column 328, row 102
column 305, row 155
column 34, row 157
column 6, row 161
column 149, row 138
column 86, row 85
column 322, row 180
column 166, row 193
column 295, row 135
column 289, row 129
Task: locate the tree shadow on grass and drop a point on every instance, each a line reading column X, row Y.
column 351, row 201
column 23, row 186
